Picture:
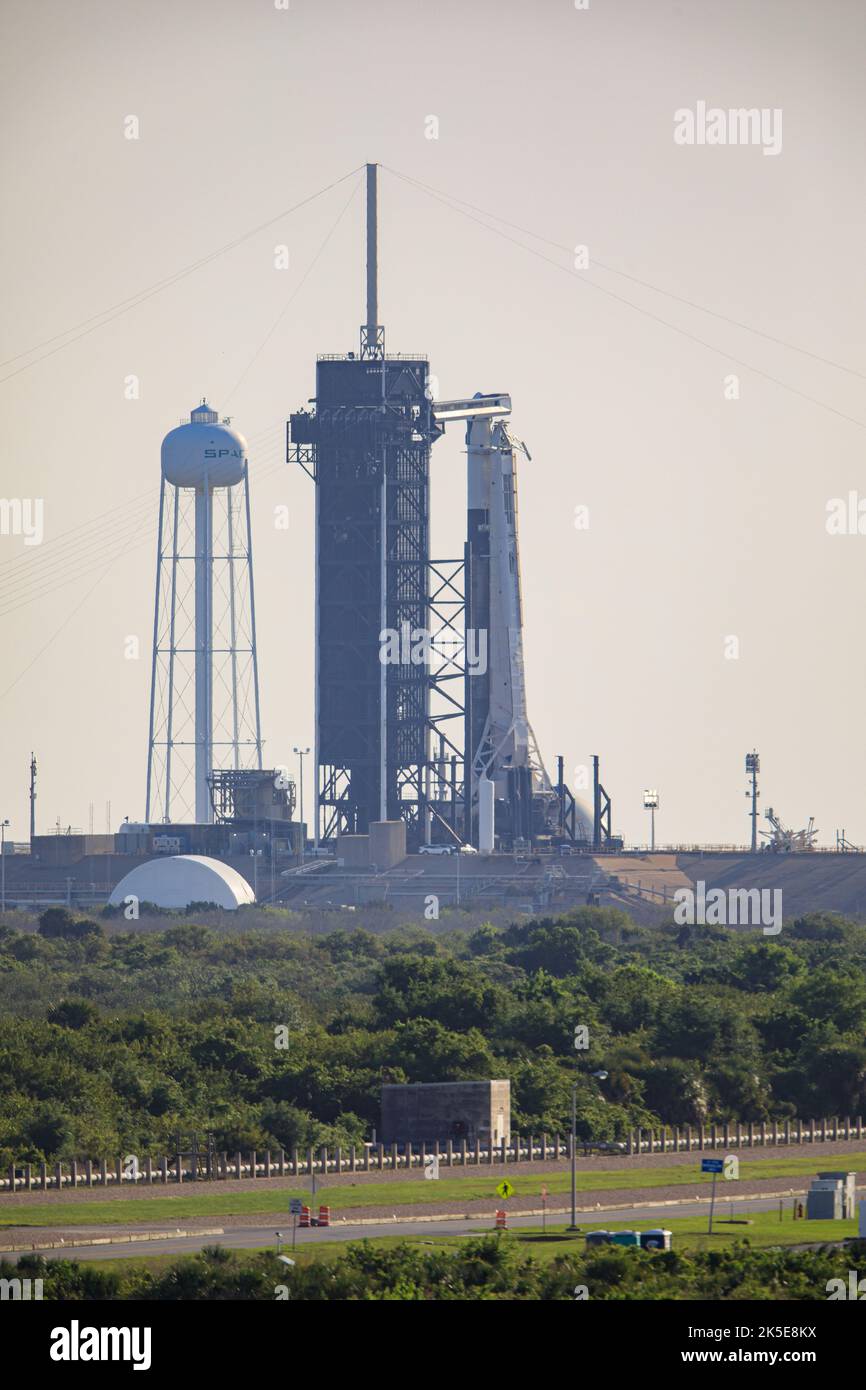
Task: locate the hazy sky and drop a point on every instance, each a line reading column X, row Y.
column 707, row 515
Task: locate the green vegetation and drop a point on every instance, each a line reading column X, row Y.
column 169, row 1205
column 112, row 1040
column 489, row 1267
column 764, row 1231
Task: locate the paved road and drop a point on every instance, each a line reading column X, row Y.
column 256, row 1237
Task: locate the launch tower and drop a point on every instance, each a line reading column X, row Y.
column 367, row 447
column 420, row 690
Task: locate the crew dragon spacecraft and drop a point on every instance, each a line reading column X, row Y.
column 447, row 747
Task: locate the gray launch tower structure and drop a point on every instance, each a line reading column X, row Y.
column 404, row 733
column 367, row 447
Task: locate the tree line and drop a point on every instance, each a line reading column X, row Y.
column 278, row 1035
column 481, row 1268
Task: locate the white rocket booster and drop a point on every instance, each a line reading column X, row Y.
column 495, row 600
column 499, row 744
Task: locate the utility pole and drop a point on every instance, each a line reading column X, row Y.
column 573, row 1226
column 753, row 767
column 579, row 1044
column 32, row 798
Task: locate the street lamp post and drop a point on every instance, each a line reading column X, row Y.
column 598, row 1076
column 302, row 753
column 651, row 803
column 573, row 1226
column 3, row 825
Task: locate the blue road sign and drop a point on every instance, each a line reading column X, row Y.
column 712, row 1165
column 295, row 1205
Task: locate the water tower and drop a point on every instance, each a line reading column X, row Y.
column 204, row 699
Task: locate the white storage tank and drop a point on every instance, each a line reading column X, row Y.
column 204, row 620
column 203, row 450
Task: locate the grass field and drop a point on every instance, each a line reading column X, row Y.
column 689, row 1233
column 175, row 1207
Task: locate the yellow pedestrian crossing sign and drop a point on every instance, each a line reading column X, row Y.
column 505, row 1189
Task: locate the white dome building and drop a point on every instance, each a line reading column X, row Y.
column 181, row 879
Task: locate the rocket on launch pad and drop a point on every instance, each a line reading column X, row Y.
column 499, row 743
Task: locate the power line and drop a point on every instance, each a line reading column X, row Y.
column 293, row 296
column 107, row 316
column 61, row 575
column 584, row 280
column 38, row 570
column 635, row 279
column 56, row 634
column 80, row 538
column 90, row 522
